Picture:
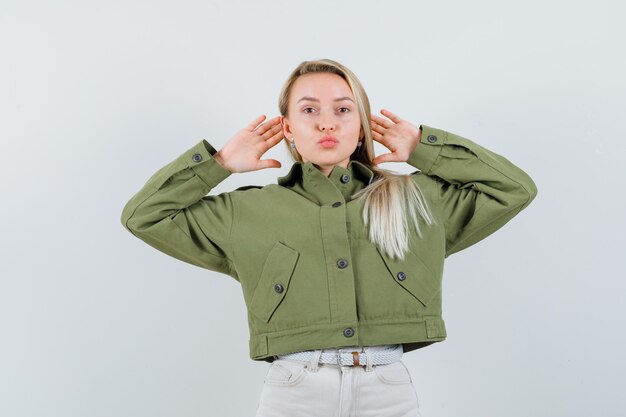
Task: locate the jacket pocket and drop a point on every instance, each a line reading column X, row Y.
column 414, row 276
column 273, row 284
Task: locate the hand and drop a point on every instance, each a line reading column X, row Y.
column 242, row 152
column 398, row 135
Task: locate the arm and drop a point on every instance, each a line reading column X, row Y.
column 478, row 190
column 172, row 213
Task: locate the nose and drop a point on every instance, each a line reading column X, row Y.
column 327, row 124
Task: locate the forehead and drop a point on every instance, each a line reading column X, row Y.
column 324, row 86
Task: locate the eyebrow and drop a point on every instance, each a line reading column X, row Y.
column 315, row 99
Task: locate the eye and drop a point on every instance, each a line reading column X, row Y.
column 306, row 108
column 345, row 108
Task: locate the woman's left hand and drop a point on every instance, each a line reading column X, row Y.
column 397, row 134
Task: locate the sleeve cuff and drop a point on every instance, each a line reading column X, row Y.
column 427, row 150
column 200, row 159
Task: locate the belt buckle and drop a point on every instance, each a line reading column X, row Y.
column 339, row 352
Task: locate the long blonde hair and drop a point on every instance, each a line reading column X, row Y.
column 390, row 199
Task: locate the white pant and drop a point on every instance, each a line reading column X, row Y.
column 294, row 388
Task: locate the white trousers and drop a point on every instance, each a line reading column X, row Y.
column 294, row 388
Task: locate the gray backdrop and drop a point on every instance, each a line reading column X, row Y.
column 96, row 96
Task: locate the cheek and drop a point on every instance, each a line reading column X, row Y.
column 304, row 123
column 356, row 126
column 355, row 121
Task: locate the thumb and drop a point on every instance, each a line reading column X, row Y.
column 269, row 163
column 386, row 157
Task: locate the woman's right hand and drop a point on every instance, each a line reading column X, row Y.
column 243, row 151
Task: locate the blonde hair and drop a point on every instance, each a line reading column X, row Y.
column 390, row 196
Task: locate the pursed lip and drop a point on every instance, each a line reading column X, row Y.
column 327, row 137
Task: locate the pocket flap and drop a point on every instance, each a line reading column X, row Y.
column 274, row 281
column 413, row 275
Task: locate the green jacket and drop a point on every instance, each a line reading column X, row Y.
column 310, row 277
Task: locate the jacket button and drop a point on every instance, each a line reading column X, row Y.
column 401, row 276
column 336, row 203
column 197, row 157
column 342, row 263
column 432, row 138
column 278, row 288
column 349, row 332
column 345, row 178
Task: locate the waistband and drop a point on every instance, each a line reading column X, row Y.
column 350, row 355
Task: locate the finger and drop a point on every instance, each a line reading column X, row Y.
column 382, row 140
column 272, row 121
column 383, row 122
column 264, row 127
column 377, row 128
column 390, row 115
column 253, row 124
column 272, row 141
column 377, row 136
column 267, row 131
column 275, row 138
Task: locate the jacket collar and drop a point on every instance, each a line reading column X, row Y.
column 307, row 180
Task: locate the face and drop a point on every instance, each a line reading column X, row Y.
column 322, row 104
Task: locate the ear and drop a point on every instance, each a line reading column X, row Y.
column 286, row 126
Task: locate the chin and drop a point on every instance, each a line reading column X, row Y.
column 333, row 155
column 330, row 160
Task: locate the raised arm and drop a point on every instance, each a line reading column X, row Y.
column 478, row 190
column 172, row 213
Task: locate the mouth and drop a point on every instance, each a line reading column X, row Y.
column 327, row 140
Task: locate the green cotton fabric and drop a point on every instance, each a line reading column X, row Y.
column 309, row 275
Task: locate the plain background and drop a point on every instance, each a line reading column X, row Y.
column 96, row 96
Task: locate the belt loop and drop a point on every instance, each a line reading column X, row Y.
column 369, row 359
column 338, row 353
column 315, row 357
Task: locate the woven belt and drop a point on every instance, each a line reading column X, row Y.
column 351, row 358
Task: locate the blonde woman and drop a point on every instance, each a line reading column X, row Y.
column 340, row 261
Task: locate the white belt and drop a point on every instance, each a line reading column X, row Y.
column 350, row 356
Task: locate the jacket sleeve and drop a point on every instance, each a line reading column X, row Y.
column 173, row 214
column 478, row 190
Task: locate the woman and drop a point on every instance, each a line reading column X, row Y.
column 340, row 262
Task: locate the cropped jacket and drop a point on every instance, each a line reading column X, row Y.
column 309, row 275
